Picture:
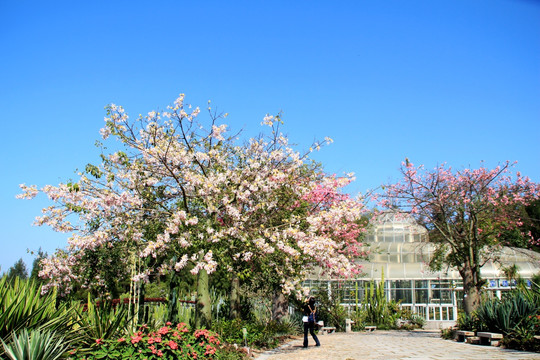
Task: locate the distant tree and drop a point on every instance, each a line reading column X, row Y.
column 532, row 227
column 467, row 212
column 18, row 270
column 36, row 266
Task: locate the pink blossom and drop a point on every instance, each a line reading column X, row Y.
column 136, row 338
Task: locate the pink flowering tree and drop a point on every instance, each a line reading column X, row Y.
column 467, row 211
column 176, row 194
column 323, row 223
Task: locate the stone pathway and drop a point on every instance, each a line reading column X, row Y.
column 421, row 344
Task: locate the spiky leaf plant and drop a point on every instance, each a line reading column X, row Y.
column 23, row 307
column 36, row 345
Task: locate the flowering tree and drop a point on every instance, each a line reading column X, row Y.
column 321, row 215
column 467, row 211
column 180, row 195
column 524, row 235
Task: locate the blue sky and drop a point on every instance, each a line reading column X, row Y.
column 434, row 81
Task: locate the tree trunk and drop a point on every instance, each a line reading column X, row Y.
column 141, row 315
column 280, row 305
column 172, row 310
column 471, row 289
column 203, row 308
column 235, row 298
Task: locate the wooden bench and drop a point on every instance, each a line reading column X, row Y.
column 370, row 328
column 473, row 340
column 327, row 330
column 462, row 335
column 487, row 338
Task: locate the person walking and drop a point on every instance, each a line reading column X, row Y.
column 309, row 319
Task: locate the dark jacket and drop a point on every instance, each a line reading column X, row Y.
column 309, row 308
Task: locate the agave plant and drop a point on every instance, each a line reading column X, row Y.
column 36, row 345
column 290, row 325
column 102, row 322
column 23, row 307
column 506, row 315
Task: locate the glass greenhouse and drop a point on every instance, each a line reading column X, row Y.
column 400, row 252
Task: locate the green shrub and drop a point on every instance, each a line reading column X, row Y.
column 359, row 320
column 258, row 334
column 522, row 337
column 448, row 333
column 231, row 330
column 467, row 322
column 418, row 321
column 156, row 290
column 410, row 321
column 330, row 309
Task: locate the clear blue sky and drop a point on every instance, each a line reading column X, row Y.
column 434, row 81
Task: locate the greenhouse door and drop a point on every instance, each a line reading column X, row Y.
column 440, row 313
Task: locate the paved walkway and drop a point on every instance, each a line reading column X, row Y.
column 380, row 344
